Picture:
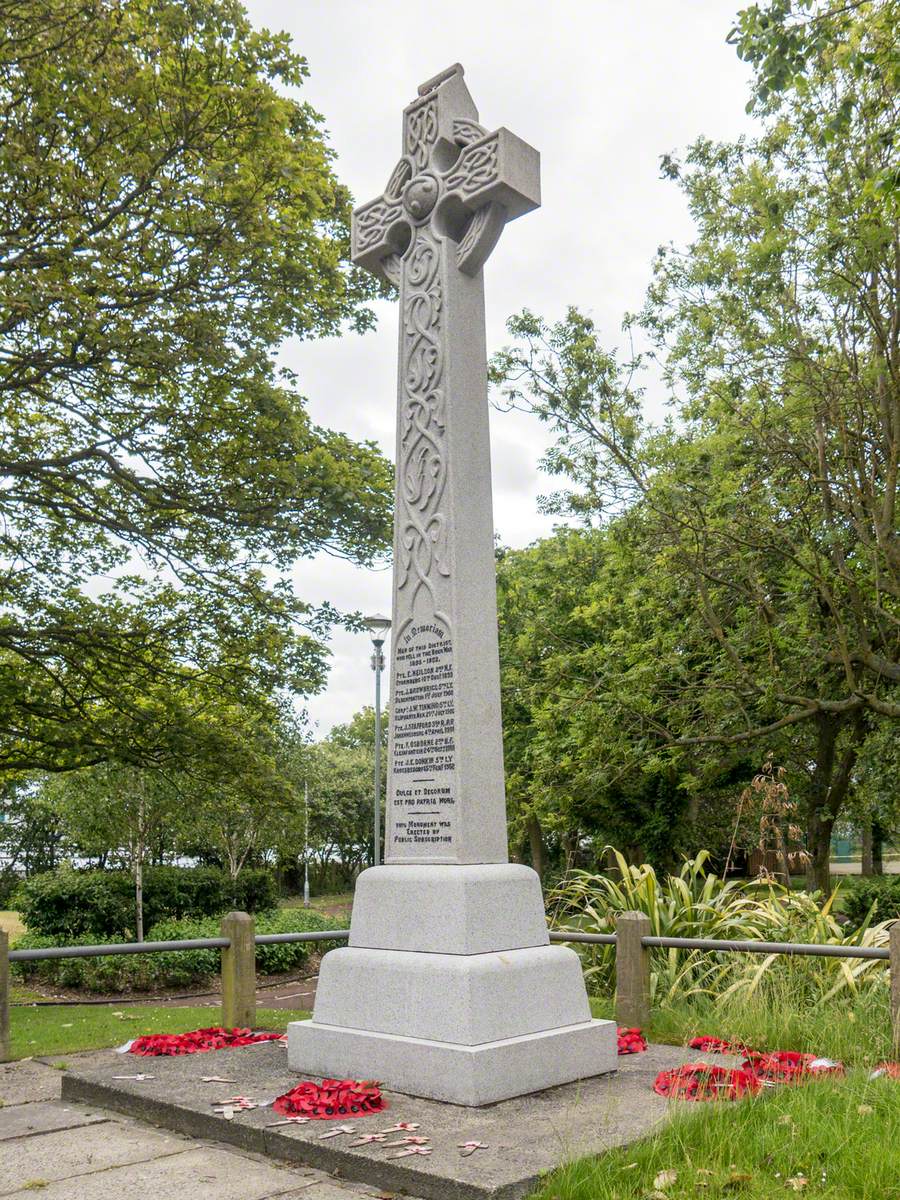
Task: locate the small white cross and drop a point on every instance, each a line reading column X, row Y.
column 336, row 1132
column 468, row 1148
column 411, row 1150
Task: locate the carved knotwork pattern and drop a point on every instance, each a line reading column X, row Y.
column 476, row 167
column 372, row 222
column 421, row 133
column 423, row 450
column 465, row 132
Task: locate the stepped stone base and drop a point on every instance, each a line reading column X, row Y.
column 450, row 990
column 467, row 1075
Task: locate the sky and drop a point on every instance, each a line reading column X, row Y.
column 602, row 88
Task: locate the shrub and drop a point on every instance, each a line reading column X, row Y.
column 882, row 891
column 696, row 903
column 173, row 968
column 98, row 905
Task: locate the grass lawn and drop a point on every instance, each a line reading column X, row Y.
column 36, row 1032
column 11, row 922
column 833, row 1139
column 334, row 902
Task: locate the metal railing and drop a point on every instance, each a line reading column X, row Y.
column 632, row 940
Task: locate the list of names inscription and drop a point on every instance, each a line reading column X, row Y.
column 423, row 764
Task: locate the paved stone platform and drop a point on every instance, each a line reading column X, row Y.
column 525, row 1137
column 63, row 1150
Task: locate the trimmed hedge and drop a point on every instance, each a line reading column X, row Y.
column 98, row 905
column 173, row 968
column 881, row 890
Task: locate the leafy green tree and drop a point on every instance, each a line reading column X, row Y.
column 167, row 218
column 596, row 649
column 769, row 498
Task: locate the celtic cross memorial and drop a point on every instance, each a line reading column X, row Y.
column 449, row 987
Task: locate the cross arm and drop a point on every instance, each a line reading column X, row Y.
column 496, row 178
column 380, row 229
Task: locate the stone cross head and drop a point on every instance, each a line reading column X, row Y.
column 455, row 177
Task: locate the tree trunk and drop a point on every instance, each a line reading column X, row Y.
column 536, row 843
column 877, row 849
column 868, row 864
column 830, row 784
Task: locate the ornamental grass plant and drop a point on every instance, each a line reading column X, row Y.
column 697, row 903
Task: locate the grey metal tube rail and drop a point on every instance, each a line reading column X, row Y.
column 215, row 943
column 819, row 950
column 811, row 948
column 556, row 935
column 592, row 939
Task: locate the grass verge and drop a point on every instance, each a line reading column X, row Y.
column 36, row 1032
column 833, row 1139
column 11, row 922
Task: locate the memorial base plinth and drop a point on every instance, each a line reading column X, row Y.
column 467, row 1075
column 450, row 990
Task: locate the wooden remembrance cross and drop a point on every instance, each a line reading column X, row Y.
column 449, row 987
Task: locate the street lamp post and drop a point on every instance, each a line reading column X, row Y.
column 306, row 843
column 378, row 626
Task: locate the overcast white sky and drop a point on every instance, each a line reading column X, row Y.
column 601, row 88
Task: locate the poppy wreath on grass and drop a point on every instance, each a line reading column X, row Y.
column 714, row 1045
column 789, row 1066
column 331, row 1099
column 631, row 1041
column 198, row 1041
column 886, row 1070
column 699, row 1081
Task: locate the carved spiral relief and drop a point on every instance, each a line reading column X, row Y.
column 423, row 451
column 421, row 133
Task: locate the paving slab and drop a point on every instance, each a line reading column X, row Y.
column 71, row 1152
column 25, row 1081
column 45, row 1116
column 204, row 1173
column 526, row 1136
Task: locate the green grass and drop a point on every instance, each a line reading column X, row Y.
column 334, row 900
column 12, row 923
column 839, row 1136
column 36, row 1032
column 855, row 1030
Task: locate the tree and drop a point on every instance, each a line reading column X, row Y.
column 770, row 495
column 596, row 649
column 167, row 218
column 115, row 812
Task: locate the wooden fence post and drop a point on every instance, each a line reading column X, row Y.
column 632, row 969
column 895, row 982
column 5, row 1049
column 238, row 971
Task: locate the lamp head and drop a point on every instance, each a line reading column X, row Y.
column 378, row 625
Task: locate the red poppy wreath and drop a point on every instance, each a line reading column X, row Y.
column 197, row 1041
column 631, row 1041
column 331, row 1099
column 789, row 1066
column 698, row 1081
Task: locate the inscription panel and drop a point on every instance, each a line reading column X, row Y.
column 423, row 758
